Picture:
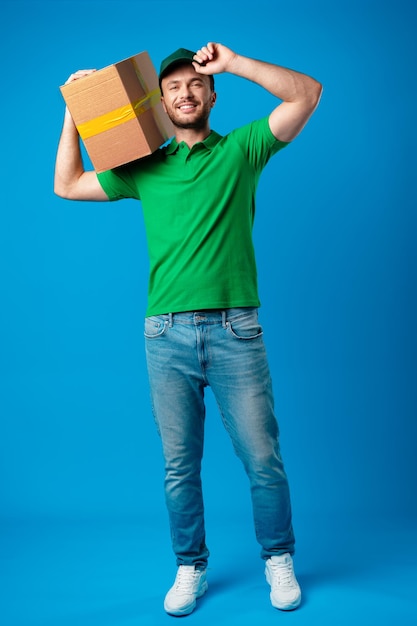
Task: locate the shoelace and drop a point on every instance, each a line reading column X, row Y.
column 184, row 582
column 283, row 574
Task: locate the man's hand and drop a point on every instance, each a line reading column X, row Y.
column 214, row 58
column 79, row 74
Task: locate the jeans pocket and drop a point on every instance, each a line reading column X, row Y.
column 155, row 327
column 245, row 326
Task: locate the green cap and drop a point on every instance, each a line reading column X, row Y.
column 176, row 58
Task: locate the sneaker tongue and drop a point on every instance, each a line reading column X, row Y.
column 283, row 558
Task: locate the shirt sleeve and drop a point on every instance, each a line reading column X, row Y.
column 118, row 184
column 257, row 142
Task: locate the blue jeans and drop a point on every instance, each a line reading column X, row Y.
column 223, row 349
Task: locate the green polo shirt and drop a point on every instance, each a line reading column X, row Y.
column 199, row 209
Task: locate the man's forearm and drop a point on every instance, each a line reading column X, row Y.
column 287, row 85
column 69, row 165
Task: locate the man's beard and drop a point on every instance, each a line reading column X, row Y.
column 198, row 123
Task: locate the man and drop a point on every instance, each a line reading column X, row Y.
column 201, row 325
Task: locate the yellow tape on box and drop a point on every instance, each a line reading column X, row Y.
column 118, row 116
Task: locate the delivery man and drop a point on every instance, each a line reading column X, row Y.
column 201, row 324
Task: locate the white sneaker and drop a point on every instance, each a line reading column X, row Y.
column 190, row 584
column 285, row 590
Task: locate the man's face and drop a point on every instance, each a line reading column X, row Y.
column 187, row 97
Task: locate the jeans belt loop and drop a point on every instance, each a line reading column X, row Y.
column 224, row 324
column 171, row 320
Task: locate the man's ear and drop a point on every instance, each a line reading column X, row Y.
column 213, row 99
column 163, row 103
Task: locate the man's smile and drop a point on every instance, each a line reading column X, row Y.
column 187, row 106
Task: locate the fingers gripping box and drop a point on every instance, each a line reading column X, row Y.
column 118, row 112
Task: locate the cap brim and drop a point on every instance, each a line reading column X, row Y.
column 176, row 63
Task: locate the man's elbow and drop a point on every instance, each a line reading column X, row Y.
column 315, row 93
column 65, row 190
column 61, row 191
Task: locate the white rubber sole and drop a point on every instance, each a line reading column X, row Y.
column 189, row 608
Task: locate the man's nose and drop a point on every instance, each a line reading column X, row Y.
column 185, row 91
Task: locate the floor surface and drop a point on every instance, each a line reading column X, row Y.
column 90, row 573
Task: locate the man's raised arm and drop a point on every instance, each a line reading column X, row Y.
column 300, row 94
column 71, row 181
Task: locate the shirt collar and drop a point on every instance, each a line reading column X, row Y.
column 209, row 142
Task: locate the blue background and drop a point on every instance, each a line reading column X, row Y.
column 84, row 534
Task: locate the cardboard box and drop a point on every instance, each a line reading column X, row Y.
column 118, row 113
